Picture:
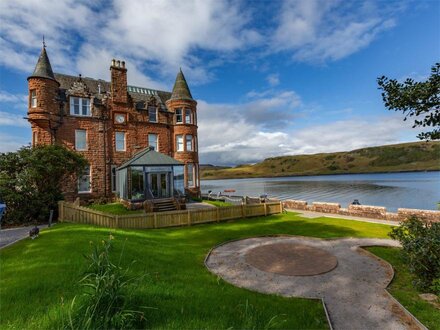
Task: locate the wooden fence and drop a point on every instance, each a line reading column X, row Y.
column 71, row 213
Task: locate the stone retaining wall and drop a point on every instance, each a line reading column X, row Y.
column 366, row 211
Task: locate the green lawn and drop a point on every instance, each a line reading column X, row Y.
column 404, row 292
column 218, row 203
column 39, row 277
column 113, row 208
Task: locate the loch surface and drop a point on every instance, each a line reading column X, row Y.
column 418, row 190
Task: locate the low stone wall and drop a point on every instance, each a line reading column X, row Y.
column 295, row 205
column 365, row 211
column 424, row 214
column 325, row 207
column 375, row 212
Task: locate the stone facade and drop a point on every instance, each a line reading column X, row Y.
column 106, row 108
column 365, row 211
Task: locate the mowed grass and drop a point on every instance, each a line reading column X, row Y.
column 218, row 203
column 402, row 289
column 113, row 208
column 39, row 278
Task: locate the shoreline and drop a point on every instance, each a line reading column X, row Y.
column 322, row 174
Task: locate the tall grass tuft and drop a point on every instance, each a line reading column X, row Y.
column 107, row 294
column 250, row 318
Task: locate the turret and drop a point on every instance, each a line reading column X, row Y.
column 185, row 146
column 43, row 106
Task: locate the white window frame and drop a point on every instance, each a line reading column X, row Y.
column 82, row 102
column 179, row 144
column 193, row 182
column 188, row 115
column 90, row 181
column 180, row 110
column 77, row 131
column 156, row 137
column 191, row 146
column 150, row 108
column 33, row 98
column 124, row 139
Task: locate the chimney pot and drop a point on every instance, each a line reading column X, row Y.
column 118, row 63
column 123, row 64
column 113, row 62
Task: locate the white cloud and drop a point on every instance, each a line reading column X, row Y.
column 152, row 36
column 11, row 142
column 318, row 31
column 10, row 119
column 273, row 79
column 228, row 135
column 7, row 97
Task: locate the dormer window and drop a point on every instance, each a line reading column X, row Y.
column 33, row 98
column 152, row 114
column 80, row 106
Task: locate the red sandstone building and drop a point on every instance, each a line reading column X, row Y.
column 113, row 124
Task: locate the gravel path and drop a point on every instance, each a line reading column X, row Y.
column 354, row 292
column 12, row 235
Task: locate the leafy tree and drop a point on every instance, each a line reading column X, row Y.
column 421, row 248
column 31, row 180
column 420, row 100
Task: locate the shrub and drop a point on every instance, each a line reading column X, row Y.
column 107, row 294
column 421, row 248
column 31, row 179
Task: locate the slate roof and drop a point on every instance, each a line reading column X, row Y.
column 43, row 69
column 149, row 157
column 181, row 89
column 140, row 95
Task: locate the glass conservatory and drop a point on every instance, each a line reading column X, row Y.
column 150, row 175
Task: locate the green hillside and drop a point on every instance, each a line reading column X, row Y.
column 415, row 156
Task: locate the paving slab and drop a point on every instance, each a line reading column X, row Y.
column 354, row 292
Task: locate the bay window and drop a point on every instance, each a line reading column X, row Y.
column 179, row 117
column 33, row 98
column 188, row 116
column 189, row 142
column 179, row 142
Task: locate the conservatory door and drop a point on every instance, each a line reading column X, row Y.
column 159, row 185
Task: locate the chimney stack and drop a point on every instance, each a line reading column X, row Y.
column 119, row 81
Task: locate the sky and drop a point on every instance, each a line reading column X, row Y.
column 271, row 78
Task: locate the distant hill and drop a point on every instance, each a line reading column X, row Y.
column 207, row 167
column 415, row 156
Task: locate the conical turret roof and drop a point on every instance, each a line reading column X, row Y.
column 181, row 89
column 43, row 69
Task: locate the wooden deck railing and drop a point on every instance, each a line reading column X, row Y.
column 71, row 213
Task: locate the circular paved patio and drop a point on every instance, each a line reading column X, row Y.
column 353, row 291
column 291, row 259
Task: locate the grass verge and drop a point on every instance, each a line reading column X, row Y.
column 402, row 289
column 218, row 203
column 39, row 277
column 113, row 208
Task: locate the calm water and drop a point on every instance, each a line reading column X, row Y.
column 419, row 190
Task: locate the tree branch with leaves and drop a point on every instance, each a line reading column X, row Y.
column 420, row 100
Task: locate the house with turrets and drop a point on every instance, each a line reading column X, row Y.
column 140, row 143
